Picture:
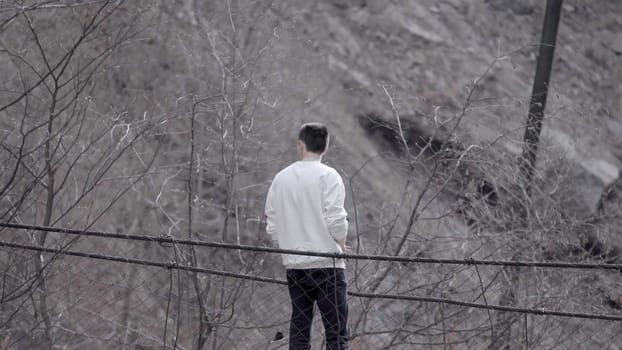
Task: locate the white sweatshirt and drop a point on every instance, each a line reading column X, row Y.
column 305, row 211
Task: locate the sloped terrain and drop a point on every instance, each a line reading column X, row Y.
column 426, row 102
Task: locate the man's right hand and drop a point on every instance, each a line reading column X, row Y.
column 344, row 247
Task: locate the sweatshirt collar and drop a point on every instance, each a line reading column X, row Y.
column 308, row 161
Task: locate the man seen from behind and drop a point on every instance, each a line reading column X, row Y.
column 305, row 211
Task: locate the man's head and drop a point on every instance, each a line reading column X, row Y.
column 312, row 138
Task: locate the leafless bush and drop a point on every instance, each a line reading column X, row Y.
column 193, row 159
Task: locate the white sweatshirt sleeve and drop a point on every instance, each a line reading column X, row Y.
column 270, row 213
column 333, row 194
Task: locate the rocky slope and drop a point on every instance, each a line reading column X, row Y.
column 426, row 102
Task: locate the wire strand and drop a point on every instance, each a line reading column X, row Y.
column 173, row 265
column 389, row 258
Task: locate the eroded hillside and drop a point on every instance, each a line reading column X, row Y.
column 170, row 118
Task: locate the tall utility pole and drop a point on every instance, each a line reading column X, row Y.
column 539, row 92
column 530, row 149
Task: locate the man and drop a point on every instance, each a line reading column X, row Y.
column 305, row 211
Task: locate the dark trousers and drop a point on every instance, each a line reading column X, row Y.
column 327, row 288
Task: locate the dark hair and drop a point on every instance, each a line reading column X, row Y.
column 314, row 136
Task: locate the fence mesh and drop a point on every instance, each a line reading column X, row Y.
column 103, row 300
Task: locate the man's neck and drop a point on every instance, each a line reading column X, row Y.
column 311, row 157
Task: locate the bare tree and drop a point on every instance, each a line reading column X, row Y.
column 61, row 151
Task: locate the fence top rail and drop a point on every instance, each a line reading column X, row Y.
column 348, row 256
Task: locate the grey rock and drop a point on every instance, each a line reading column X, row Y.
column 582, row 180
column 613, row 41
column 518, row 7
